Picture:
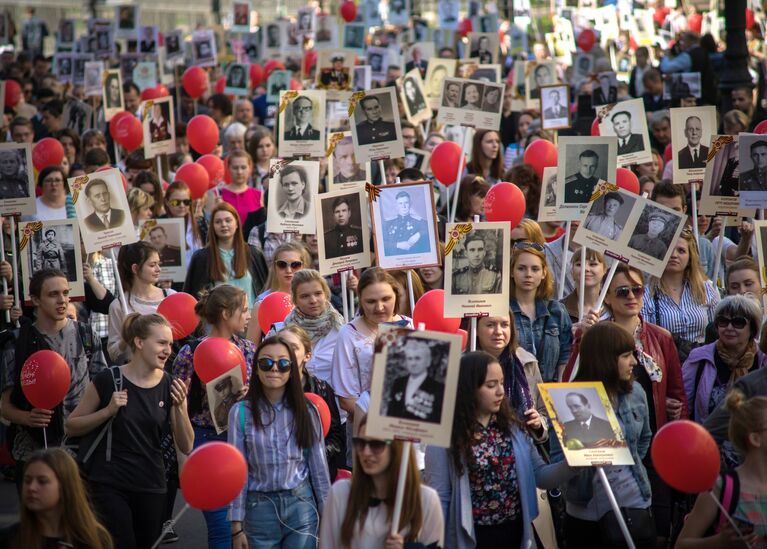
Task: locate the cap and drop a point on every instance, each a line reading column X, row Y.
column 612, row 195
column 658, row 215
column 337, row 58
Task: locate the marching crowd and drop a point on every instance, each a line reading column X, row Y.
column 101, row 469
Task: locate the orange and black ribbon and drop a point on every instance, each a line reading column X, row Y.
column 456, row 235
column 602, row 188
column 287, row 97
column 28, row 231
column 718, row 145
column 373, row 192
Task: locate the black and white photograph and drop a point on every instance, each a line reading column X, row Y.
column 415, row 379
column 168, row 236
column 536, row 76
column 326, row 35
column 691, row 131
column 302, row 123
column 274, row 37
column 414, row 98
column 582, row 67
column 92, row 81
column 605, row 89
column 306, row 21
column 293, row 189
column 483, row 46
column 418, row 159
column 278, row 82
column 436, row 72
column 78, row 67
column 362, row 78
column 103, row 45
column 334, row 69
column 483, row 73
column 448, row 12
column 720, row 194
column 681, row 85
column 404, row 226
column 555, row 107
column 344, row 171
column 471, row 103
column 240, row 16
column 17, row 179
column 398, row 13
column 63, row 66
column 102, row 208
column 66, row 34
column 223, row 392
column 417, row 57
column 237, row 79
column 370, row 10
column 204, row 48
column 127, row 17
column 376, row 126
column 128, row 63
column 608, row 215
column 252, row 44
column 343, row 237
column 487, row 22
column 519, row 85
column 78, row 115
column 628, row 122
column 420, row 31
column 476, row 269
column 354, row 36
column 378, row 59
column 337, row 114
column 654, row 232
column 52, row 245
column 112, row 94
column 547, row 205
column 145, row 74
column 159, row 127
column 752, row 163
column 581, row 163
column 148, row 40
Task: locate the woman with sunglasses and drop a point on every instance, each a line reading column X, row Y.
column 595, row 272
column 288, row 259
column 710, row 370
column 359, row 510
column 279, row 432
column 542, row 324
column 238, row 193
column 486, row 480
column 179, row 204
column 227, row 259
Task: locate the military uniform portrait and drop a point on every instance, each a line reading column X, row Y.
column 627, row 121
column 378, row 59
column 607, row 216
column 354, row 36
column 653, row 233
column 583, row 162
column 15, row 172
column 753, row 163
column 376, row 127
column 334, row 69
column 407, row 232
column 342, row 226
column 478, row 274
column 302, row 124
column 721, row 181
column 224, row 392
column 691, row 131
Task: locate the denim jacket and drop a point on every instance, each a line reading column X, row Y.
column 634, row 415
column 549, row 337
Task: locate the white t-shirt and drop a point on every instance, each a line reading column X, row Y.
column 46, row 213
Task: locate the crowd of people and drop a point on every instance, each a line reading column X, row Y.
column 101, row 469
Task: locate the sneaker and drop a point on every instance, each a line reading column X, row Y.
column 170, row 535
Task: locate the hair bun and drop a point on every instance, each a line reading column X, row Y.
column 735, row 400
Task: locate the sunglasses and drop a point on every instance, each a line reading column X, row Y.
column 295, row 265
column 737, row 322
column 623, row 291
column 376, row 446
column 180, row 202
column 524, row 244
column 266, row 364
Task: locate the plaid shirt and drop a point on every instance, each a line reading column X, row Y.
column 104, row 272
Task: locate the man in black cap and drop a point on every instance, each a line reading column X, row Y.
column 579, row 186
column 650, row 243
column 343, row 238
column 335, row 77
column 604, row 223
column 755, row 179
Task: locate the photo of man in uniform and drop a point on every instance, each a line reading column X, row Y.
column 14, row 178
column 585, row 426
column 482, row 51
column 273, row 36
column 302, row 109
column 580, row 186
column 374, row 129
column 417, row 395
column 477, row 277
column 627, row 142
column 345, row 166
column 343, row 238
column 170, row 256
column 541, row 77
column 407, row 233
column 693, row 155
column 604, row 223
column 104, row 216
column 337, row 76
column 755, row 179
column 650, row 242
column 293, row 183
column 50, row 254
column 237, row 77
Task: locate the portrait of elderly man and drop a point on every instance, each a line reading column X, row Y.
column 627, row 142
column 693, row 155
column 417, row 395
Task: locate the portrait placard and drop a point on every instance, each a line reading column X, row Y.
column 418, row 159
column 405, row 226
column 334, row 69
column 64, row 66
column 398, row 13
column 294, row 188
column 362, row 79
column 343, row 238
column 127, row 17
column 327, row 32
column 224, row 392
column 536, row 76
column 145, row 74
column 17, row 179
column 417, row 56
column 585, row 424
column 344, row 171
column 547, row 208
column 169, row 237
column 414, row 98
column 278, row 82
column 691, row 127
column 112, row 93
column 354, row 36
column 237, row 79
column 752, row 164
column 447, row 13
column 483, row 46
column 605, row 89
column 477, row 259
column 102, row 210
column 302, row 123
column 240, row 16
column 148, row 40
column 204, row 48
column 77, row 115
column 437, row 70
column 555, row 107
column 92, row 81
column 306, row 21
column 65, row 37
column 159, row 127
column 484, row 73
column 376, row 126
column 275, row 34
column 581, row 163
column 429, row 360
column 582, row 68
column 378, row 59
column 471, row 103
column 720, row 194
column 627, row 121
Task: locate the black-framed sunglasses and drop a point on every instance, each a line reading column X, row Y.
column 177, row 202
column 295, row 265
column 525, row 244
column 622, row 292
column 266, row 364
column 738, row 322
column 376, row 446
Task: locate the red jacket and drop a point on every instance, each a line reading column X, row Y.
column 659, row 344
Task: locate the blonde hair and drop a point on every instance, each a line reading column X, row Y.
column 304, row 276
column 272, row 282
column 545, row 290
column 532, row 230
column 139, row 326
column 138, row 199
column 693, row 272
column 746, row 416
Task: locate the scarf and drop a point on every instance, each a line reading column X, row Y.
column 740, row 365
column 319, row 327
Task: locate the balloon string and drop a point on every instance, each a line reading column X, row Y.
column 169, row 526
column 729, row 518
column 45, row 439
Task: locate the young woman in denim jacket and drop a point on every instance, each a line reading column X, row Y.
column 608, row 355
column 543, row 325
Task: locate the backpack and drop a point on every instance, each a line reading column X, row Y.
column 87, row 444
column 729, row 497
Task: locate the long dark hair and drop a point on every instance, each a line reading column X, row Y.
column 217, row 270
column 137, row 253
column 294, row 396
column 471, row 377
column 599, row 351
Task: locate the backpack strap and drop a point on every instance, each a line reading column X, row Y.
column 117, row 382
column 729, row 497
column 86, row 338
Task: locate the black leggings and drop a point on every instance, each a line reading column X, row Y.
column 508, row 534
column 133, row 518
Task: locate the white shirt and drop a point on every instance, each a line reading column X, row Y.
column 46, row 213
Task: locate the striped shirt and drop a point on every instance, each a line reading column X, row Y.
column 686, row 320
column 275, row 460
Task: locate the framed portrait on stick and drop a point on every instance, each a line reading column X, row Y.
column 294, row 185
column 168, row 236
column 112, row 95
column 415, row 379
column 158, row 124
column 471, row 103
column 582, row 162
column 376, row 128
column 547, row 207
column 414, row 99
column 343, row 237
column 302, row 123
column 477, row 259
column 17, row 180
column 720, row 182
column 627, row 121
column 752, row 167
column 344, row 171
column 555, row 110
column 691, row 131
column 224, row 392
column 334, row 69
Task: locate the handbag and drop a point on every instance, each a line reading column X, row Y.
column 640, row 523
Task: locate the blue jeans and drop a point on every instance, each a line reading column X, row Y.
column 287, row 519
column 219, row 529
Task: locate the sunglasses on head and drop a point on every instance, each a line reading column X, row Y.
column 176, row 202
column 376, row 446
column 623, row 292
column 525, row 244
column 738, row 322
column 266, row 364
column 295, row 265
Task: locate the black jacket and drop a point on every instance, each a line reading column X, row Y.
column 198, row 277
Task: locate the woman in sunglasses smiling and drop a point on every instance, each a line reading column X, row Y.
column 179, row 204
column 710, row 370
column 280, row 434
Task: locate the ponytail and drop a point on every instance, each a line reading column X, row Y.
column 746, row 416
column 139, row 326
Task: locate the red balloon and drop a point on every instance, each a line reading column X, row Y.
column 178, row 309
column 196, row 178
column 749, row 18
column 659, row 16
column 348, row 11
column 540, row 154
column 430, row 310
column 668, row 151
column 215, row 168
column 627, row 180
column 586, row 39
column 310, row 60
column 216, row 356
column 129, row 133
column 47, row 152
column 322, row 408
column 595, row 127
column 761, row 128
column 464, row 338
column 444, row 162
column 695, row 22
column 195, row 82
column 113, row 122
column 256, row 74
column 273, row 309
column 505, row 202
column 220, row 85
column 202, row 133
column 295, row 85
column 108, row 167
column 163, row 90
column 213, row 476
column 12, row 93
column 272, row 65
column 679, row 444
column 151, row 93
column 465, row 27
column 45, row 379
